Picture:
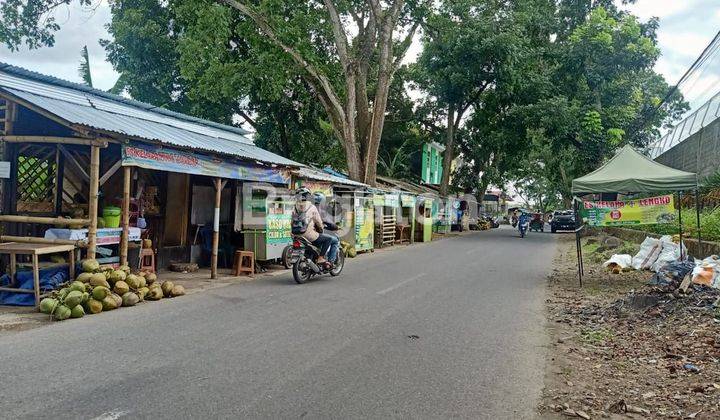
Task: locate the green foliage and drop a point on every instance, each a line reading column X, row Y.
column 709, row 225
column 30, row 22
column 84, row 69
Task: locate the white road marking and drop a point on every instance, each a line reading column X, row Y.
column 112, row 415
column 402, row 283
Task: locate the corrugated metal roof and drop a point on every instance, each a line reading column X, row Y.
column 318, row 175
column 79, row 104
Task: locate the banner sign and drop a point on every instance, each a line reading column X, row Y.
column 316, row 186
column 392, row 200
column 407, row 200
column 278, row 228
column 378, row 200
column 171, row 160
column 364, row 228
column 643, row 211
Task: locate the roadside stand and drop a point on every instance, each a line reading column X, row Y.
column 630, row 172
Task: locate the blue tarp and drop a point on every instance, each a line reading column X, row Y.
column 50, row 279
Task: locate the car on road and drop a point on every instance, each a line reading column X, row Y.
column 562, row 220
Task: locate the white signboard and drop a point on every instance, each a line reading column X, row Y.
column 4, row 169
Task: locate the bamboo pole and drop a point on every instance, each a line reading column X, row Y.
column 93, row 200
column 216, row 229
column 54, row 140
column 35, row 240
column 125, row 217
column 43, row 220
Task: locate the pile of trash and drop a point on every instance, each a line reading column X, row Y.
column 103, row 288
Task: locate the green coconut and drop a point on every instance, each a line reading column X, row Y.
column 133, row 281
column 130, row 299
column 77, row 312
column 167, row 287
column 84, row 277
column 150, row 278
column 155, row 293
column 98, row 279
column 85, row 296
column 142, row 282
column 177, row 290
column 48, row 305
column 77, row 285
column 73, row 299
column 116, row 275
column 118, row 299
column 109, row 303
column 62, row 293
column 121, row 288
column 125, row 269
column 94, row 306
column 351, row 252
column 61, row 313
column 99, row 292
column 90, row 266
column 142, row 292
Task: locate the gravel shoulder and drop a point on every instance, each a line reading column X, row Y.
column 623, row 349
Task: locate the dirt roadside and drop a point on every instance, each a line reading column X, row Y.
column 623, row 349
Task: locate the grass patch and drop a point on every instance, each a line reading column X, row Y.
column 596, row 336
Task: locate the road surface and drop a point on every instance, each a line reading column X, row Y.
column 453, row 328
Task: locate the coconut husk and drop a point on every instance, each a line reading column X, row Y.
column 177, row 290
column 84, row 277
column 121, row 288
column 130, row 299
column 93, row 306
column 98, row 279
column 167, row 287
column 109, row 303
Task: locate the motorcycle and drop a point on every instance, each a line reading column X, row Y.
column 306, row 266
column 523, row 227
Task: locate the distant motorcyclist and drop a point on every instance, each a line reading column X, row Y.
column 307, row 222
column 329, row 224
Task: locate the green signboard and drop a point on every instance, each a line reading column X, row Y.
column 278, row 228
column 407, row 200
column 364, row 227
column 392, row 200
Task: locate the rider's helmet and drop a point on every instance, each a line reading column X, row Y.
column 303, row 194
column 319, row 198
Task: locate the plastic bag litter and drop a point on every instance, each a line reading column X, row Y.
column 707, row 272
column 622, row 260
column 649, row 251
column 672, row 272
column 670, row 252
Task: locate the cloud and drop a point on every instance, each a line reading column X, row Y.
column 80, row 26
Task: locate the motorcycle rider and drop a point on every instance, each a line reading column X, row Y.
column 329, row 224
column 304, row 209
column 524, row 218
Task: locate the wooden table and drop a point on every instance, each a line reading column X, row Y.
column 35, row 250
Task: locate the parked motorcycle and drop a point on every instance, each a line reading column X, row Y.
column 306, row 266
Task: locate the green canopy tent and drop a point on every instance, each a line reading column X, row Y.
column 629, row 171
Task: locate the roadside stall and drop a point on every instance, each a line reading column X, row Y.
column 348, row 203
column 108, row 171
column 631, row 172
column 424, row 222
column 266, row 220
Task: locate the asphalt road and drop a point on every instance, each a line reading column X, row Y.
column 454, row 328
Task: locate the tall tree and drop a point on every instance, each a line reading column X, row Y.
column 369, row 56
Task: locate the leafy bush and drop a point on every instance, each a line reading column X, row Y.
column 709, row 225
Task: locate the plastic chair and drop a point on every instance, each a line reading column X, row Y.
column 225, row 250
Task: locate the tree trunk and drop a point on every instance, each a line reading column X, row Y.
column 449, row 148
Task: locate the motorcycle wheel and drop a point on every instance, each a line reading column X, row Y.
column 339, row 264
column 301, row 273
column 287, row 257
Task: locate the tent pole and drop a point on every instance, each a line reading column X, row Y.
column 578, row 246
column 697, row 214
column 679, row 195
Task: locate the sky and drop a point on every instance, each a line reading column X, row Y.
column 686, row 27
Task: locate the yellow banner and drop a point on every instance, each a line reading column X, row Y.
column 643, row 211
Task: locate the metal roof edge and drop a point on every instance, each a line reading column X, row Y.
column 29, row 74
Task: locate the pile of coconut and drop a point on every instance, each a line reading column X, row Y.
column 103, row 288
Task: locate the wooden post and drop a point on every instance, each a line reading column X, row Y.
column 93, row 200
column 216, row 229
column 125, row 217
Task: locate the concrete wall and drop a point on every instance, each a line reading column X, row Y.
column 708, row 248
column 699, row 153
